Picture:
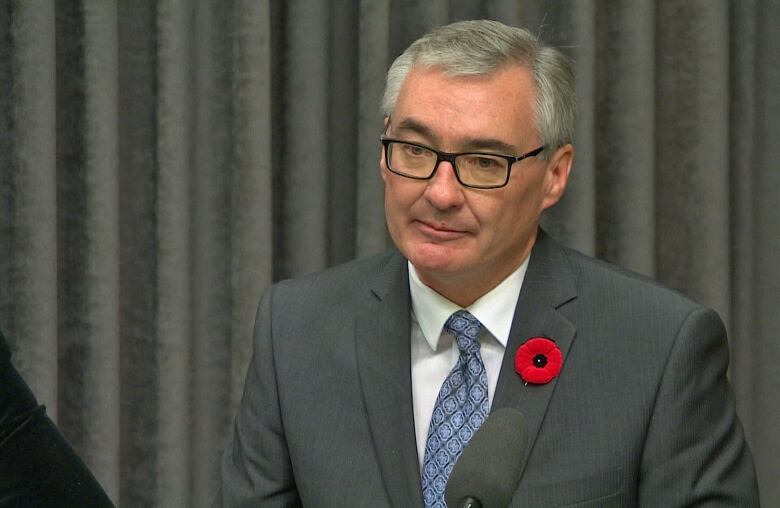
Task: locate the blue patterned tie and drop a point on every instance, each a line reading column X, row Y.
column 461, row 407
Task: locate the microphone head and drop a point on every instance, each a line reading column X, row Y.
column 489, row 467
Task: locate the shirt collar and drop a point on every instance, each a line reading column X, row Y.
column 495, row 309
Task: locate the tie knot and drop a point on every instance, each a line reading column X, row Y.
column 465, row 327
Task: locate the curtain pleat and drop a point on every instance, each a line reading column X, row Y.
column 139, row 271
column 88, row 232
column 29, row 178
column 306, row 143
column 342, row 133
column 7, row 171
column 411, row 18
column 692, row 95
column 162, row 163
column 251, row 231
column 625, row 180
column 211, row 291
column 173, row 209
column 373, row 60
column 508, row 12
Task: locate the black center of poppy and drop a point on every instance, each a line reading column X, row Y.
column 540, row 360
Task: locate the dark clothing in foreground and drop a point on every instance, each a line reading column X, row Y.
column 37, row 466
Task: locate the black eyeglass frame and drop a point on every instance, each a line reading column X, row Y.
column 450, row 157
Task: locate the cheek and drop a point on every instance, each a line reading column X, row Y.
column 400, row 193
column 527, row 196
column 396, row 205
column 508, row 219
column 391, row 193
column 490, row 211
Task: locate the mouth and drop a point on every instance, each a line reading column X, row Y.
column 439, row 231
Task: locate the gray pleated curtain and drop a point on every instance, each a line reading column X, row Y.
column 161, row 163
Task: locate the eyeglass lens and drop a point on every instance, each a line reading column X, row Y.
column 473, row 169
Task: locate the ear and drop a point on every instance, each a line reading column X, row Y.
column 557, row 175
column 382, row 151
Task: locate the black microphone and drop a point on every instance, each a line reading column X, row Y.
column 488, row 470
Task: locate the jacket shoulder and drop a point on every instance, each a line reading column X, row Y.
column 606, row 281
column 340, row 284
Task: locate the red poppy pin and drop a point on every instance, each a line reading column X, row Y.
column 538, row 360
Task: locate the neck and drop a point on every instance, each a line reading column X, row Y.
column 464, row 290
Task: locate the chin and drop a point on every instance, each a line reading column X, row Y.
column 433, row 258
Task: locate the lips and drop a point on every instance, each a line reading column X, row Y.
column 440, row 232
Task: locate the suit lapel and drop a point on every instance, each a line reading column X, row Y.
column 548, row 285
column 384, row 364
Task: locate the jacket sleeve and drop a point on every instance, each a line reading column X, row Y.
column 256, row 467
column 695, row 453
column 37, row 466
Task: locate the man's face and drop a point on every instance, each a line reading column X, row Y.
column 464, row 241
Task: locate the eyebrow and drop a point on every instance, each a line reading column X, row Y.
column 487, row 144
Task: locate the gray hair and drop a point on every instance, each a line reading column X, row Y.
column 481, row 47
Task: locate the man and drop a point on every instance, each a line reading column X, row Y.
column 368, row 380
column 37, row 466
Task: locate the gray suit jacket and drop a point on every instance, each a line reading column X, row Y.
column 640, row 415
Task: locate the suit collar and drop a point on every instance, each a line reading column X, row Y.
column 384, row 364
column 549, row 285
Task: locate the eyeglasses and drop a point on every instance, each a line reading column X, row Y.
column 476, row 170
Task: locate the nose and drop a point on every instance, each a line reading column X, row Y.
column 443, row 190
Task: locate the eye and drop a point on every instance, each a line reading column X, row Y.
column 414, row 151
column 486, row 163
column 483, row 162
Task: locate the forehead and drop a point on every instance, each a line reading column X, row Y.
column 499, row 105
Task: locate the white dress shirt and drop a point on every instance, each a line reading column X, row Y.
column 435, row 353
